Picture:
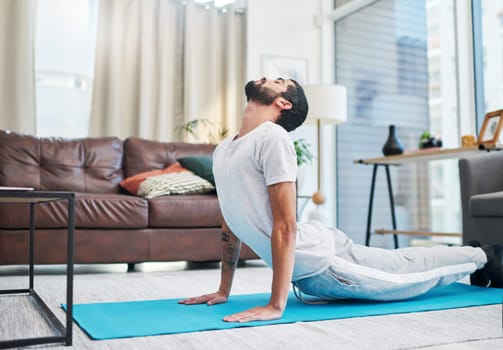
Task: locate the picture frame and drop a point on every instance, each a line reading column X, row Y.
column 489, row 135
column 285, row 67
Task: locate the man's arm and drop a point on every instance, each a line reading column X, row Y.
column 283, row 205
column 284, row 232
column 231, row 247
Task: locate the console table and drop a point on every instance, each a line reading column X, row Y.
column 27, row 195
column 423, row 155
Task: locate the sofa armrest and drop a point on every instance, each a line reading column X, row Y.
column 481, row 174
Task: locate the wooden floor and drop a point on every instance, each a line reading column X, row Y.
column 467, row 328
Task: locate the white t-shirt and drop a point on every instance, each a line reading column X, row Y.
column 243, row 168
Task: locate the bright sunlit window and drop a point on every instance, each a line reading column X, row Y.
column 64, row 64
column 398, row 62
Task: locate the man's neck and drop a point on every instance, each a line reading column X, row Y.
column 256, row 114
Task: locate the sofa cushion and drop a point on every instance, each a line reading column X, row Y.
column 185, row 211
column 142, row 155
column 487, row 204
column 111, row 211
column 101, row 211
column 79, row 165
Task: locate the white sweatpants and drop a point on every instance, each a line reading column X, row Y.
column 362, row 272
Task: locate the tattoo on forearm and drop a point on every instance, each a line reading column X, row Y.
column 231, row 249
column 230, row 256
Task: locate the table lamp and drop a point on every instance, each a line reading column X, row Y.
column 327, row 105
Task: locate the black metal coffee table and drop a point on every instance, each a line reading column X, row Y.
column 26, row 195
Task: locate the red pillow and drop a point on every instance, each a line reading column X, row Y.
column 132, row 183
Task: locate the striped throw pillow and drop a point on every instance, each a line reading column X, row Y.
column 184, row 182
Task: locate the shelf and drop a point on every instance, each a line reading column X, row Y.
column 422, row 155
column 417, row 233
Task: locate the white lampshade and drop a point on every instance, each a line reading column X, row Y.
column 327, row 103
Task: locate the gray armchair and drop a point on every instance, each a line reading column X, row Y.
column 481, row 180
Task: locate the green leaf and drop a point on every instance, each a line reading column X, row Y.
column 302, row 151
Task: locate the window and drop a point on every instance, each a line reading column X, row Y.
column 64, row 58
column 492, row 46
column 397, row 60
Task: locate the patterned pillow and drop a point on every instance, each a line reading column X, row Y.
column 184, row 182
column 132, row 183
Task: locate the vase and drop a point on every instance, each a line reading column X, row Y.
column 393, row 144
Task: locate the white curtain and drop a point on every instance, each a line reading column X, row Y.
column 17, row 67
column 160, row 64
column 136, row 69
column 214, row 66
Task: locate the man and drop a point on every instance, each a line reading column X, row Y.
column 255, row 173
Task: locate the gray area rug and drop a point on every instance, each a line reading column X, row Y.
column 468, row 328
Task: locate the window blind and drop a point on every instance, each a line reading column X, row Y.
column 381, row 57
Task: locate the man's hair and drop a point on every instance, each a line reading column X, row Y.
column 292, row 118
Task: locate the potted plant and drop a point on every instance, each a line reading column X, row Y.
column 204, row 130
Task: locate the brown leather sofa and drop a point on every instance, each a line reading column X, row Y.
column 110, row 225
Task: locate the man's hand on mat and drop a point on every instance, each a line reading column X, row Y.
column 259, row 313
column 210, row 299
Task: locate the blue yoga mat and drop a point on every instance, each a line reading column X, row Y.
column 154, row 317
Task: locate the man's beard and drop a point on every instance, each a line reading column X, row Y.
column 260, row 94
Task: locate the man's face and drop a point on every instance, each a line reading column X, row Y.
column 264, row 91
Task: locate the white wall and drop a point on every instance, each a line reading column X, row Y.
column 284, row 28
column 296, row 29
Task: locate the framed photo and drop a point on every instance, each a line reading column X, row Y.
column 285, row 67
column 489, row 135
